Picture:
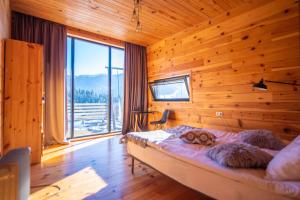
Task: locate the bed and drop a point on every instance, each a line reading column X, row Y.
column 187, row 164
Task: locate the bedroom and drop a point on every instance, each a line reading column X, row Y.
column 146, row 74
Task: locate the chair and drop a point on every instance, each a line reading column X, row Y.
column 160, row 123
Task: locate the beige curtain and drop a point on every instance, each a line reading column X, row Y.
column 53, row 37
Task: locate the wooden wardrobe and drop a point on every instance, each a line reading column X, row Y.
column 23, row 94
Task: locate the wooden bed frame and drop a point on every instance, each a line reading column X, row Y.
column 196, row 177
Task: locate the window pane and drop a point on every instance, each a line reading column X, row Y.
column 68, row 89
column 90, row 88
column 171, row 89
column 117, row 78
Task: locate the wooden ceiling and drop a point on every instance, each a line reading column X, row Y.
column 159, row 18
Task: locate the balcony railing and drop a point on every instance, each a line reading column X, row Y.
column 92, row 118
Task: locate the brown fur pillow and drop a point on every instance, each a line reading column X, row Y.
column 239, row 155
column 261, row 138
column 198, row 136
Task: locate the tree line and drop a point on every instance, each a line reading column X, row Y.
column 90, row 96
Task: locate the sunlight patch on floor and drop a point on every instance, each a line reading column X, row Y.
column 56, row 151
column 85, row 182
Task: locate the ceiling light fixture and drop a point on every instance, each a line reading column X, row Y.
column 136, row 15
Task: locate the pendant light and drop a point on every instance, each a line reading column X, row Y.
column 136, row 15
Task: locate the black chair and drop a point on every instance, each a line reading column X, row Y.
column 160, row 123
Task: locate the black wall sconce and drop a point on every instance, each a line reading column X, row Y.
column 262, row 86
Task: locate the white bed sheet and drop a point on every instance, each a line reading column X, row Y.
column 195, row 155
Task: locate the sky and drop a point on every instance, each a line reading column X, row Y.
column 91, row 58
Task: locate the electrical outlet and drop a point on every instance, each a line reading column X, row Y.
column 219, row 114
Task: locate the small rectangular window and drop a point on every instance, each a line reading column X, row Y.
column 171, row 89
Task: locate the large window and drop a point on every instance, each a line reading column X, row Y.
column 94, row 88
column 171, row 89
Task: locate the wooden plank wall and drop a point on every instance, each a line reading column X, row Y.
column 225, row 56
column 95, row 37
column 4, row 34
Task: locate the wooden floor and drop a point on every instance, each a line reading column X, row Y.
column 100, row 169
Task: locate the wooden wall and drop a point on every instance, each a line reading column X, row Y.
column 95, row 37
column 4, row 34
column 225, row 56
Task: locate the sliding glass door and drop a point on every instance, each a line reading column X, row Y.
column 94, row 89
column 117, row 89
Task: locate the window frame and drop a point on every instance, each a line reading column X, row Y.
column 110, row 47
column 187, row 86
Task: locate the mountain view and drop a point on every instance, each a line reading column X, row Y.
column 94, row 88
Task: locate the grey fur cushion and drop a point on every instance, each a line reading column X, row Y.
column 239, row 155
column 261, row 138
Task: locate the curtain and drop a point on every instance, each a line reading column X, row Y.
column 135, row 86
column 53, row 37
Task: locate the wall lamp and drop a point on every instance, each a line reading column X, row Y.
column 262, row 86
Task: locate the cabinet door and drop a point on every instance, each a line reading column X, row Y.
column 23, row 97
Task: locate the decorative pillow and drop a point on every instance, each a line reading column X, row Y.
column 198, row 136
column 239, row 155
column 285, row 165
column 261, row 138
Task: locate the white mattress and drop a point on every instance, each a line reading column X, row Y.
column 195, row 155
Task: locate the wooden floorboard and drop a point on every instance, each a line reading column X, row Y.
column 100, row 169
